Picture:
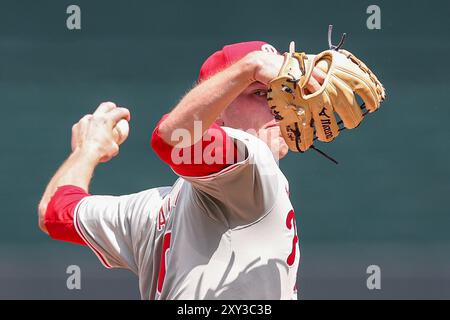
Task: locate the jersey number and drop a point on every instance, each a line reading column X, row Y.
column 163, row 262
column 291, row 224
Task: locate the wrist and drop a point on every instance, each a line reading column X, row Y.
column 249, row 66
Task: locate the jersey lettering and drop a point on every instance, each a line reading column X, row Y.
column 161, row 219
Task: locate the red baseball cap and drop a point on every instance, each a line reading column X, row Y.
column 229, row 55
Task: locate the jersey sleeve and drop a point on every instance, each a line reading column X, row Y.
column 119, row 229
column 213, row 153
column 245, row 190
column 60, row 211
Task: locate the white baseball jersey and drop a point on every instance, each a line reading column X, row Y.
column 229, row 235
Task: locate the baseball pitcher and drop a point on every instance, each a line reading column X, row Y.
column 226, row 229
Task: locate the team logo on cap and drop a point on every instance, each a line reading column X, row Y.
column 268, row 48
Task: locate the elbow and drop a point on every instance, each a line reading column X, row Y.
column 42, row 209
column 156, row 139
column 158, row 143
column 161, row 134
column 56, row 213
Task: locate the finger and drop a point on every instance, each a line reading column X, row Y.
column 116, row 151
column 83, row 124
column 312, row 86
column 75, row 127
column 78, row 128
column 105, row 107
column 85, row 119
column 118, row 114
column 74, row 138
column 108, row 157
column 319, row 75
column 105, row 159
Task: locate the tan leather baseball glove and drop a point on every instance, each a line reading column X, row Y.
column 304, row 117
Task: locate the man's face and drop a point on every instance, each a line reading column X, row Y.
column 249, row 112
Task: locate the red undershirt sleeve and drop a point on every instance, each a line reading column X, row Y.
column 206, row 157
column 59, row 217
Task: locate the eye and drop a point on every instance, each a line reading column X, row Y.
column 260, row 93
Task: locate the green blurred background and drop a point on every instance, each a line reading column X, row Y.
column 386, row 204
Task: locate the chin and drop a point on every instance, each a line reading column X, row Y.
column 279, row 148
column 283, row 149
column 272, row 137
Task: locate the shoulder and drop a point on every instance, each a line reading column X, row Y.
column 253, row 145
column 156, row 194
column 257, row 152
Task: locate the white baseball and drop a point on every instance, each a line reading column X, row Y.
column 121, row 131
